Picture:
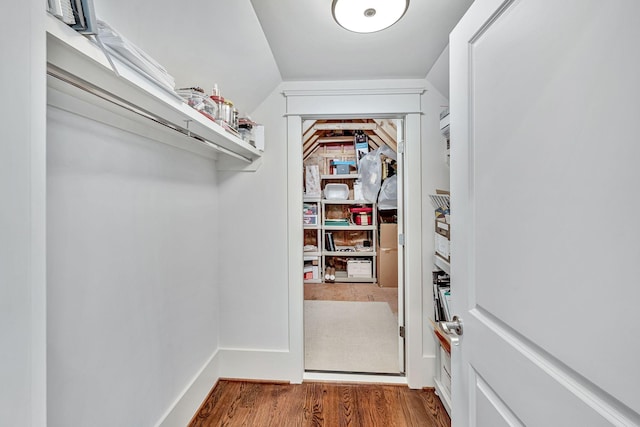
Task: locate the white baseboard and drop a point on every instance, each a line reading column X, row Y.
column 276, row 365
column 267, row 365
column 428, row 371
column 185, row 407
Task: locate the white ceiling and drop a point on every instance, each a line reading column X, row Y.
column 308, row 44
column 248, row 47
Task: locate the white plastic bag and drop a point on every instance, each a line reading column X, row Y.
column 371, row 172
column 388, row 197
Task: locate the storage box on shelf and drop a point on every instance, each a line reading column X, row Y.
column 311, row 214
column 442, row 235
column 443, row 240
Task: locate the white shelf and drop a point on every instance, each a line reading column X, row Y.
column 341, row 176
column 350, row 253
column 74, row 58
column 345, row 202
column 341, row 277
column 350, row 227
column 442, row 264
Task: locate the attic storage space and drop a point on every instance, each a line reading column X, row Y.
column 345, row 164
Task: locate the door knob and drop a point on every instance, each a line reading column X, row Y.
column 452, row 328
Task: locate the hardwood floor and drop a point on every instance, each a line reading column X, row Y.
column 317, row 404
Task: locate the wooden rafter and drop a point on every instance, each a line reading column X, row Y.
column 375, row 142
column 345, row 126
column 310, row 146
column 335, row 140
column 387, row 133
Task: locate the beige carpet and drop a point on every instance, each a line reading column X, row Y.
column 349, row 336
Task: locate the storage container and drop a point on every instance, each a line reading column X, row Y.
column 198, row 100
column 343, row 166
column 360, row 268
column 336, row 191
column 361, row 215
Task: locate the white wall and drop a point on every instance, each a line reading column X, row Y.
column 22, row 216
column 253, row 264
column 132, row 273
column 438, row 75
column 254, row 268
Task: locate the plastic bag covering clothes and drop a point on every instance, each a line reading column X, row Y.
column 388, row 197
column 371, row 172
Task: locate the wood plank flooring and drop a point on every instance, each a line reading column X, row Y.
column 318, row 404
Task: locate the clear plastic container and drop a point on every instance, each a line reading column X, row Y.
column 219, row 102
column 199, row 101
column 227, row 112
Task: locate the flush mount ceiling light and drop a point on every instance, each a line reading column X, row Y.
column 368, row 16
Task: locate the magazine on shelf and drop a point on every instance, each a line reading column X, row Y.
column 445, row 301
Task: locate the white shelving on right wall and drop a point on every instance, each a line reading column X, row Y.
column 441, row 281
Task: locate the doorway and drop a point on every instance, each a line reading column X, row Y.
column 353, row 288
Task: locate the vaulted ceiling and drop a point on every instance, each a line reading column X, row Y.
column 248, row 47
column 319, row 133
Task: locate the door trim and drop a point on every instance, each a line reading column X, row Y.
column 359, row 103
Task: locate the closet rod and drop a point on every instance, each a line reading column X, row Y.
column 79, row 83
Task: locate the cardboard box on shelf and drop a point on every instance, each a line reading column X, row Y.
column 359, row 268
column 388, row 255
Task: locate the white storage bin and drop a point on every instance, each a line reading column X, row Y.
column 336, row 191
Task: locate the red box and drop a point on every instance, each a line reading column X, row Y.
column 362, row 219
column 362, row 216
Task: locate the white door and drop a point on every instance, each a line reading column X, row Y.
column 545, row 185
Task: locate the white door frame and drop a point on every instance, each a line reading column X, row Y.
column 399, row 103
